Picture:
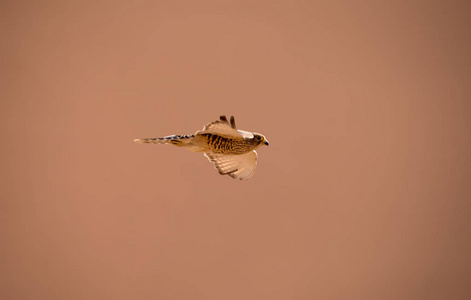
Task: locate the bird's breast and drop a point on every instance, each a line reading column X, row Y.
column 224, row 145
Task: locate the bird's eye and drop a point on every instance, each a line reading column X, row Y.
column 258, row 137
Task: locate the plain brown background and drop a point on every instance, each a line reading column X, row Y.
column 363, row 193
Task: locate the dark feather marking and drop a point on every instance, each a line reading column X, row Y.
column 176, row 142
column 233, row 122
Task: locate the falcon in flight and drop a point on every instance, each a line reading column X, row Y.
column 232, row 151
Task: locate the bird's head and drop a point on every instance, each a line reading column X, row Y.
column 260, row 139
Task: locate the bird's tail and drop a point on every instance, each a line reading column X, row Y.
column 177, row 140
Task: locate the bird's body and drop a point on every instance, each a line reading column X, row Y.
column 232, row 151
column 230, row 146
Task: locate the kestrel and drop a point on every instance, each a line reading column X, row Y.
column 232, row 151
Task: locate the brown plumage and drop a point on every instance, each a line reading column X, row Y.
column 232, row 151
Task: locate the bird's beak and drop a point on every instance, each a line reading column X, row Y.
column 266, row 142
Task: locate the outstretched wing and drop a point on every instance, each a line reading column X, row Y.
column 222, row 127
column 237, row 166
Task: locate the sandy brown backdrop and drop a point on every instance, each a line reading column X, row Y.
column 364, row 192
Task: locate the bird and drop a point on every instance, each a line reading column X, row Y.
column 232, row 151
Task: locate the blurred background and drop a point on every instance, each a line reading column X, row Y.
column 363, row 193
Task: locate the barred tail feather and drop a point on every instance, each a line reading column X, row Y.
column 177, row 140
column 151, row 141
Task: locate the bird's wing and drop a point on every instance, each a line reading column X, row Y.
column 222, row 127
column 237, row 166
column 246, row 134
